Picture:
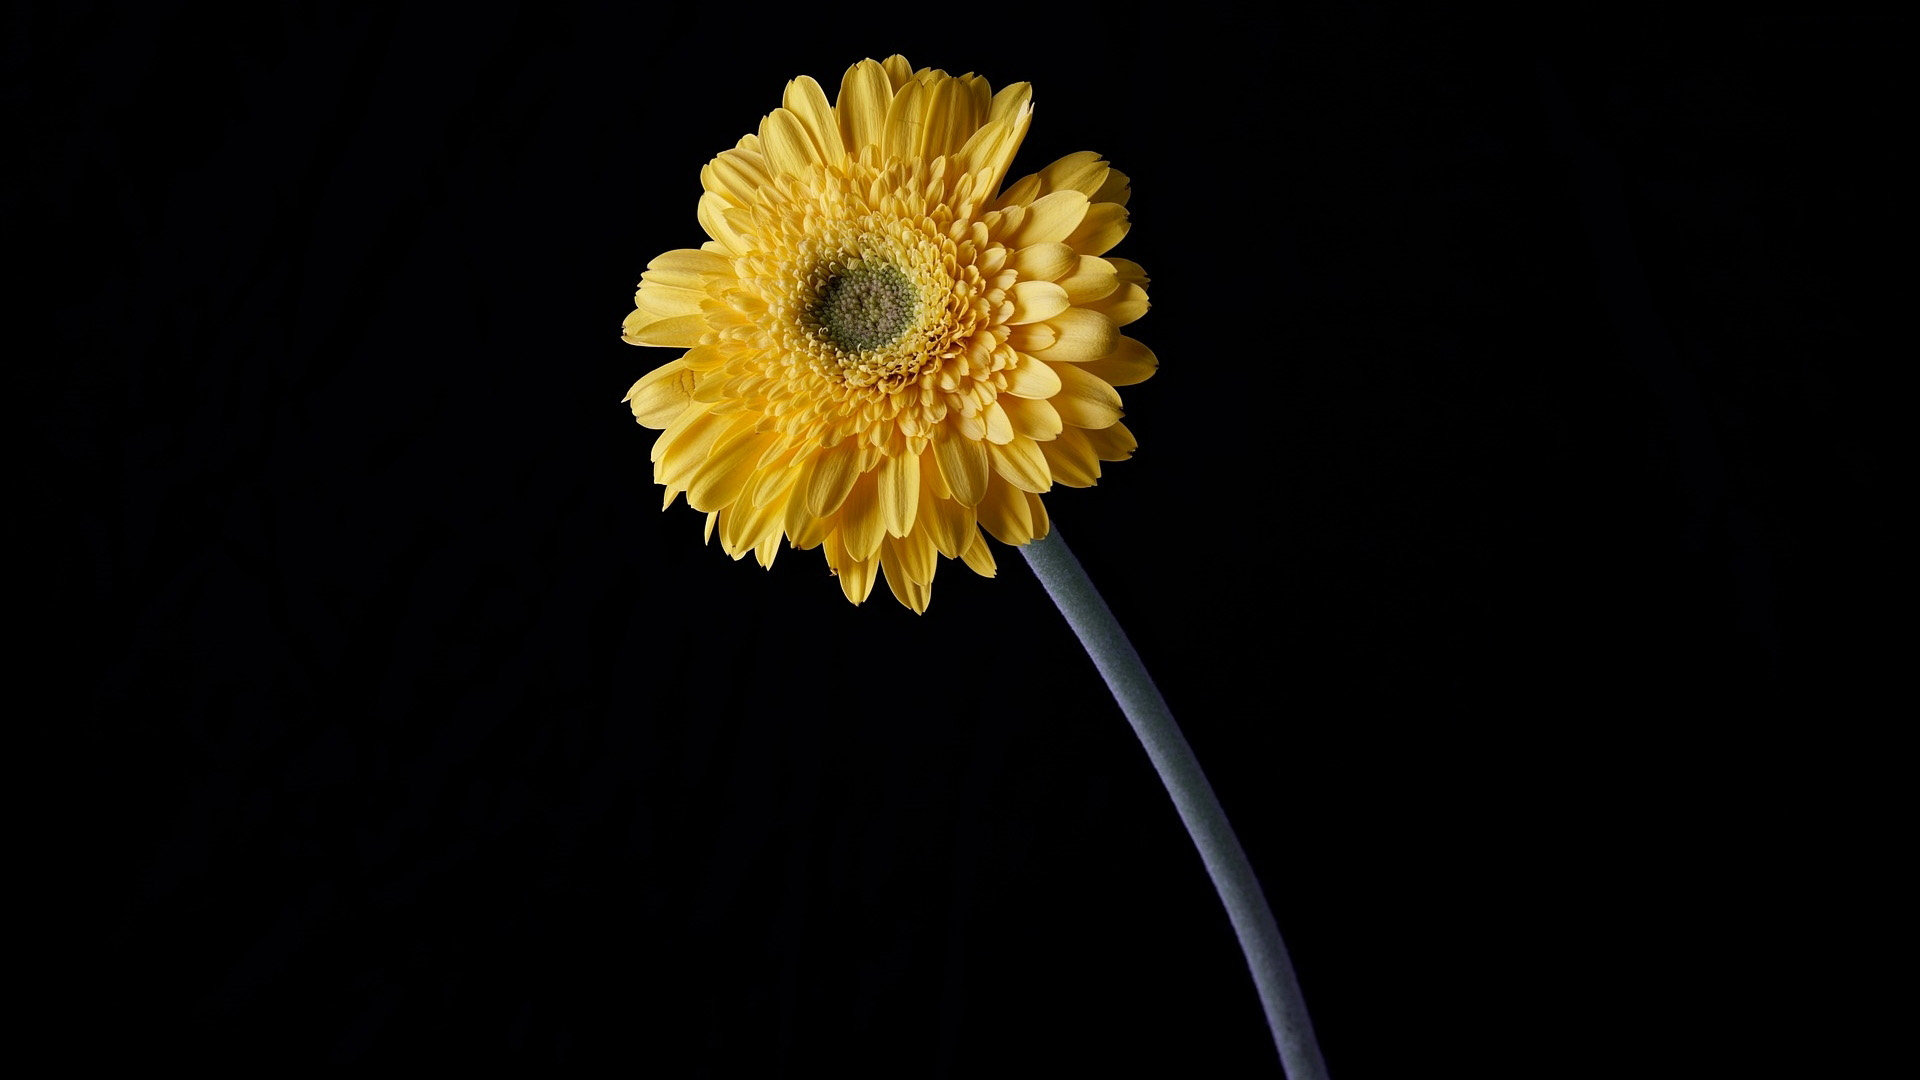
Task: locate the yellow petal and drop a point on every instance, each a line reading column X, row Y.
column 1032, row 378
column 1081, row 335
column 933, row 486
column 1021, row 192
column 790, row 150
column 899, row 488
column 998, row 429
column 1020, row 463
column 735, row 176
column 777, row 477
column 767, row 548
column 918, row 556
column 941, row 105
column 978, row 556
column 808, row 104
column 1012, row 101
column 680, row 450
column 661, row 394
column 948, row 524
column 1130, row 271
column 963, row 463
column 861, row 526
column 721, row 478
column 899, row 72
column 1071, row 460
column 753, row 524
column 687, row 268
column 1013, row 106
column 945, row 521
column 660, row 301
column 805, row 528
column 704, row 358
column 1035, row 419
column 915, row 595
column 645, row 328
column 1051, row 219
column 1103, row 226
column 979, row 99
column 1004, row 513
column 971, row 428
column 1085, row 401
column 1033, row 301
column 712, row 215
column 1037, row 509
column 1130, row 362
column 1044, row 262
column 1092, row 278
column 857, row 581
column 1113, row 443
column 970, row 100
column 830, row 476
column 1123, row 305
column 856, row 577
column 861, row 108
column 1032, row 338
column 906, row 130
column 1083, row 172
column 729, row 520
column 990, row 148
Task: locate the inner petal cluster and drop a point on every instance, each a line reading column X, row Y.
column 866, row 284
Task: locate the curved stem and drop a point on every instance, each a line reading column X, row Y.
column 1067, row 583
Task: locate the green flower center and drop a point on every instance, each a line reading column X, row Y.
column 867, row 307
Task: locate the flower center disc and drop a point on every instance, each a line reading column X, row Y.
column 867, row 307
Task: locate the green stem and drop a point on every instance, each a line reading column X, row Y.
column 1067, row 582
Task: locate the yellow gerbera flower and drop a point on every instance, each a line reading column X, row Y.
column 885, row 352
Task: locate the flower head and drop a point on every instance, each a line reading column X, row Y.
column 885, row 352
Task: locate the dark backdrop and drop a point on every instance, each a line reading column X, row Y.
column 1504, row 509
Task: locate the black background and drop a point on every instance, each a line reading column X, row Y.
column 1507, row 510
